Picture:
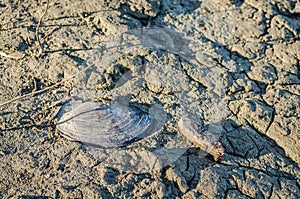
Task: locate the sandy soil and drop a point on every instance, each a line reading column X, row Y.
column 232, row 63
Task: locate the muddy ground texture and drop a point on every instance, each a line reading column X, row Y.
column 252, row 46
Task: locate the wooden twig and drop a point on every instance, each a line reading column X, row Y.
column 38, row 26
column 213, row 147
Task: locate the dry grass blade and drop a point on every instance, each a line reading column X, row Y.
column 42, row 90
column 38, row 26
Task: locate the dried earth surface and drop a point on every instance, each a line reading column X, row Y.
column 244, row 71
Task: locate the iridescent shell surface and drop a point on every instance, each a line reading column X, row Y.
column 105, row 126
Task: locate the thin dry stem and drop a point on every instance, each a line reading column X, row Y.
column 38, row 26
column 42, row 90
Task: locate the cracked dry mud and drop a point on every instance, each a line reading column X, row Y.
column 253, row 45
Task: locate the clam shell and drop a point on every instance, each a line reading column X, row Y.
column 105, row 126
column 205, row 140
